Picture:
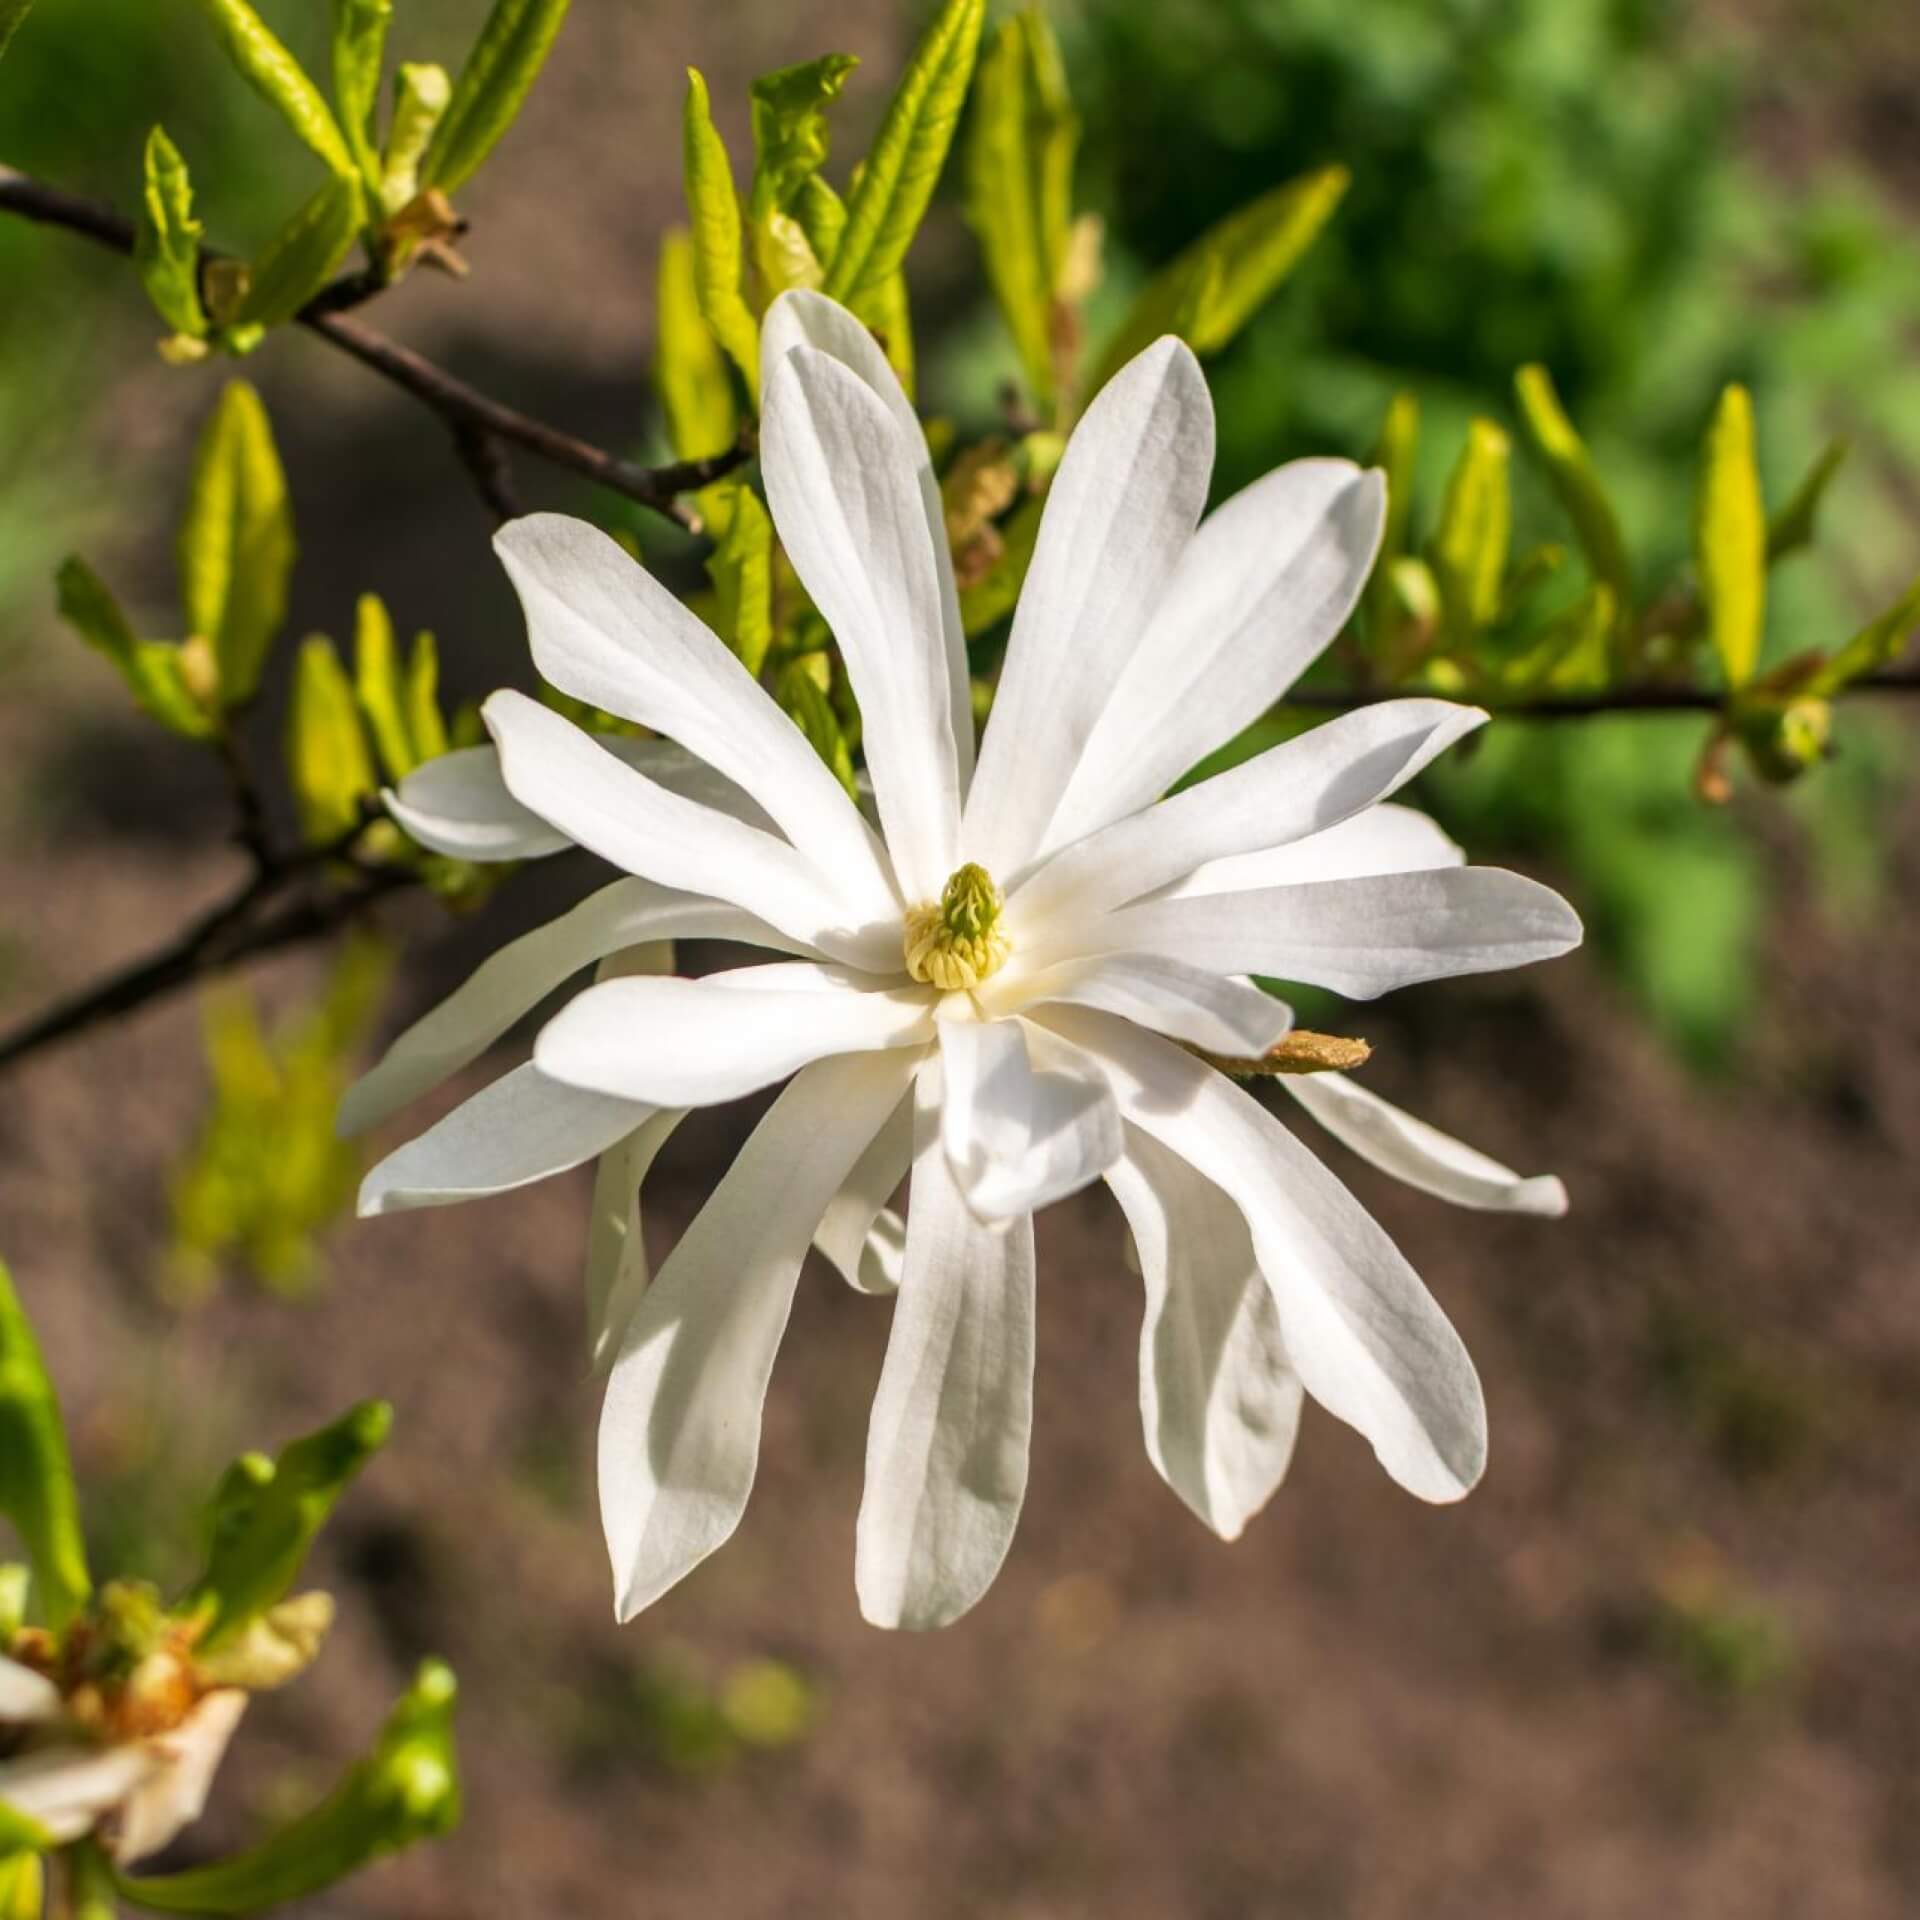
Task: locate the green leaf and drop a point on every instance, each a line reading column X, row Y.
column 426, row 727
column 1021, row 144
column 492, row 88
column 12, row 12
column 267, row 1512
column 275, row 74
column 152, row 669
column 167, row 247
column 1730, row 538
column 1209, row 292
column 1395, row 454
column 1874, row 648
column 300, row 259
column 887, row 314
column 822, row 215
column 789, row 149
column 1471, row 540
column 714, row 208
column 236, row 543
column 898, row 176
column 421, row 94
column 36, row 1476
column 695, row 390
column 359, row 49
column 992, row 596
column 741, row 569
column 805, row 701
column 1570, row 471
column 328, row 764
column 407, row 1789
column 22, row 1877
column 1793, row 527
column 376, row 683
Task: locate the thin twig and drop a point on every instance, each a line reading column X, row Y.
column 1579, row 706
column 486, row 460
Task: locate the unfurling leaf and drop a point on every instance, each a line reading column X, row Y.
column 407, row 1789
column 898, row 176
column 1571, row 472
column 274, row 73
column 300, row 259
column 36, row 1475
column 1468, row 551
column 1874, row 648
column 376, row 682
column 715, row 210
column 806, row 704
column 1793, row 526
column 167, row 249
column 267, row 1512
column 421, row 94
column 236, row 543
column 1730, row 538
column 741, row 569
column 328, row 764
column 1209, row 292
column 695, row 391
column 153, row 669
column 359, row 47
column 789, row 149
column 492, row 88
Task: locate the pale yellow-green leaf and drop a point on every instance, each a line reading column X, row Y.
column 1730, row 538
column 1877, row 646
column 492, row 88
column 167, row 246
column 377, row 685
column 1576, row 482
column 426, row 726
column 420, row 97
column 714, row 208
column 151, row 668
column 741, row 569
column 22, row 1876
column 992, row 596
column 888, row 316
column 696, row 392
column 898, row 176
column 274, row 73
column 1395, row 454
column 789, row 149
column 328, row 764
column 359, row 46
column 1471, row 539
column 300, row 259
column 1794, row 526
column 805, row 701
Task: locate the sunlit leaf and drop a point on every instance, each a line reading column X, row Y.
column 741, row 568
column 167, row 249
column 1395, row 454
column 805, row 701
column 359, row 47
column 992, row 596
column 1577, row 484
column 328, row 763
column 426, row 726
column 152, row 669
column 714, row 207
column 1793, row 527
column 376, row 683
column 1730, row 538
column 492, row 88
column 1472, row 537
column 12, row 12
column 1877, row 646
column 22, row 1878
column 421, row 95
column 789, row 149
column 300, row 259
column 274, row 73
column 36, row 1475
column 889, row 318
column 696, row 393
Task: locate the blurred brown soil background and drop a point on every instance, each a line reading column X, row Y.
column 1666, row 1659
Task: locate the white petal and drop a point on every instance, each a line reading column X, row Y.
column 1298, row 789
column 1018, row 1139
column 1366, row 1338
column 842, row 480
column 1261, row 589
column 520, row 1129
column 863, row 1237
column 805, row 318
column 1185, row 1003
column 567, row 778
column 1359, row 937
column 694, row 1043
column 1385, row 839
column 680, row 1432
column 947, row 1444
column 617, row 1269
column 25, row 1695
column 513, row 981
column 1421, row 1155
column 1121, row 509
column 68, row 1789
column 1218, row 1400
column 174, row 1795
column 604, row 630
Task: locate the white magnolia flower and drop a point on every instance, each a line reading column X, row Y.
column 999, row 994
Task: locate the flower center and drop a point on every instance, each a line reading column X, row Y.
column 956, row 942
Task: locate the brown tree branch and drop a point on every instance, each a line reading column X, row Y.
column 1579, row 706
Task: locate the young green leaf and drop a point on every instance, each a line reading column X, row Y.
column 1395, row 454
column 274, row 73
column 888, row 315
column 898, row 176
column 492, row 88
column 741, row 569
column 1571, row 472
column 12, row 12
column 696, row 393
column 992, row 596
column 407, row 1789
column 421, row 94
column 1209, row 292
column 1794, row 525
column 789, row 149
column 359, row 48
column 805, row 701
column 1468, row 551
column 153, row 669
column 376, row 683
column 426, row 726
column 1874, row 648
column 328, row 764
column 715, row 210
column 1730, row 538
column 266, row 1514
column 36, row 1476
column 167, row 247
column 236, row 542
column 300, row 259
column 22, row 1878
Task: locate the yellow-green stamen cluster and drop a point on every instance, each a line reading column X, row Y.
column 956, row 942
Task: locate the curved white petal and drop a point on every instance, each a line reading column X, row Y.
column 567, row 778
column 1366, row 1338
column 617, row 1269
column 680, row 1431
column 947, row 1443
column 1219, row 1402
column 520, row 1129
column 1421, row 1155
column 1292, row 791
column 1120, row 511
column 67, row 1790
column 863, row 1237
column 842, row 482
column 174, row 1794
column 1204, row 1009
column 804, row 318
column 694, row 1043
column 604, row 630
column 513, row 981
column 1359, row 937
column 1385, row 839
column 1262, row 588
column 1019, row 1138
column 25, row 1695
